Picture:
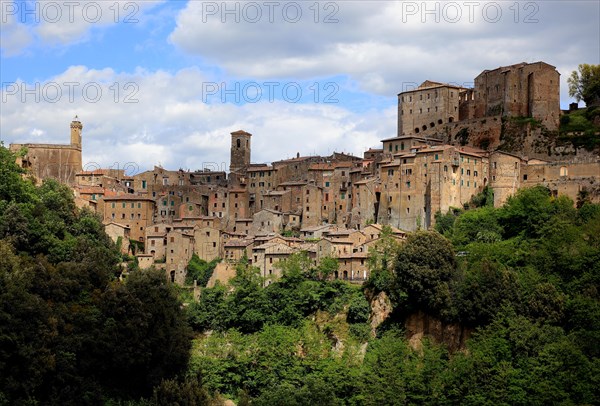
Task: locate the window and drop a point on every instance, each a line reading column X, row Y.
column 468, row 172
column 123, row 204
column 475, row 173
column 327, row 183
column 113, row 205
column 436, row 157
column 525, row 177
column 402, row 146
column 342, row 196
column 445, row 168
column 408, row 184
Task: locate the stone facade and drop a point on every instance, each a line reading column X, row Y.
column 429, row 105
column 55, row 161
column 428, row 167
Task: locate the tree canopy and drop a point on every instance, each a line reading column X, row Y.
column 584, row 84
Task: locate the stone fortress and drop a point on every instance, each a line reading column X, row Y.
column 61, row 162
column 451, row 143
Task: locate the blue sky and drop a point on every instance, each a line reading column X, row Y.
column 170, row 76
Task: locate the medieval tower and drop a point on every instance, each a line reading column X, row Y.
column 55, row 161
column 76, row 128
column 240, row 154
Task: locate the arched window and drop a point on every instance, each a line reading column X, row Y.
column 564, row 171
column 440, row 121
column 431, row 125
column 451, row 119
column 424, row 127
column 417, row 130
column 239, row 143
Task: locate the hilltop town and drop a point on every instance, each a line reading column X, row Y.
column 452, row 144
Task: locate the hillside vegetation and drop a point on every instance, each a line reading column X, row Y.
column 525, row 278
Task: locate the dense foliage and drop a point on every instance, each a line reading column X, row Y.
column 70, row 331
column 522, row 279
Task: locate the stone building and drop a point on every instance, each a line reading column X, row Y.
column 135, row 212
column 520, row 90
column 53, row 161
column 429, row 105
column 240, row 156
column 208, row 243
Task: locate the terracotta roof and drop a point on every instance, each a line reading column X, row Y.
column 260, row 168
column 275, row 248
column 91, row 190
column 240, row 132
column 297, row 159
column 324, row 166
column 473, row 151
column 128, row 197
column 237, row 242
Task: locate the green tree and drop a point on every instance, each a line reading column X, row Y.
column 381, row 259
column 145, row 337
column 424, row 268
column 585, row 84
column 200, row 270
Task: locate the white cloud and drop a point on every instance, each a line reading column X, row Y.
column 63, row 23
column 15, row 35
column 381, row 44
column 170, row 125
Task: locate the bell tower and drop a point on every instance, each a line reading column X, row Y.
column 240, row 156
column 76, row 128
column 240, row 151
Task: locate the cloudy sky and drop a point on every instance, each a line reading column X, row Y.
column 165, row 82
